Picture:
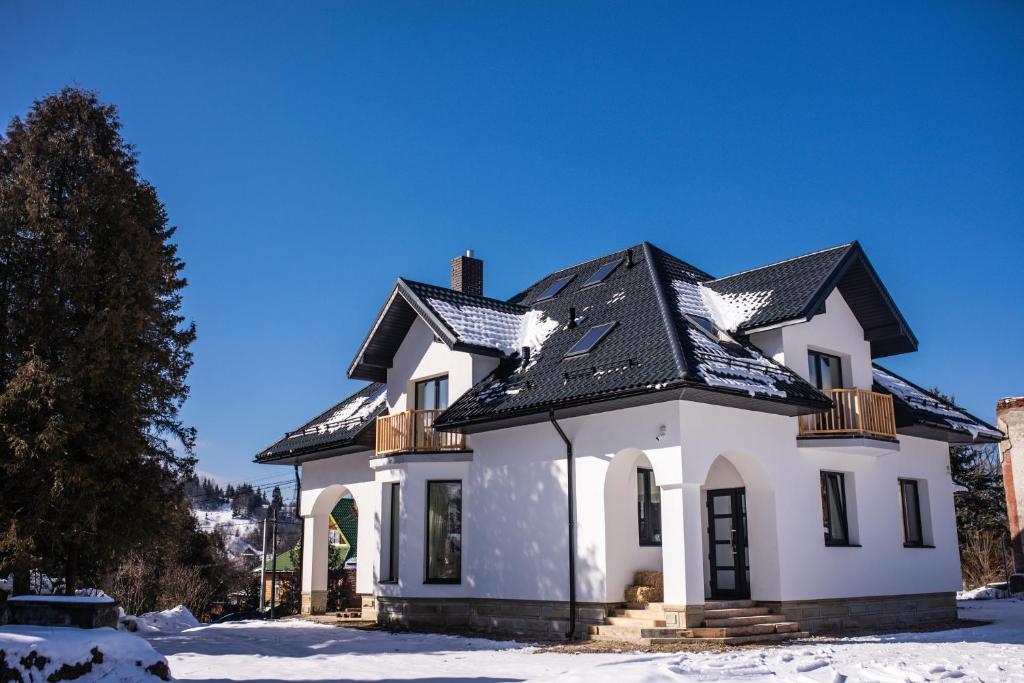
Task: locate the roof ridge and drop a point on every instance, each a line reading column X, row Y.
column 536, row 282
column 491, row 299
column 666, row 317
column 779, row 263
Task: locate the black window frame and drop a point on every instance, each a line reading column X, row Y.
column 907, row 541
column 815, row 357
column 607, row 328
column 645, row 509
column 436, row 381
column 556, row 287
column 426, row 540
column 844, row 512
column 394, row 509
column 594, row 280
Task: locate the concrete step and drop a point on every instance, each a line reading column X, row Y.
column 639, row 613
column 752, row 630
column 634, row 621
column 744, row 640
column 646, row 606
column 728, row 604
column 616, row 632
column 736, row 612
column 744, row 621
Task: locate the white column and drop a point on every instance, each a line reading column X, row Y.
column 682, row 553
column 314, row 564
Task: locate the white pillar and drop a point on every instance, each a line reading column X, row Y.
column 682, row 554
column 314, row 564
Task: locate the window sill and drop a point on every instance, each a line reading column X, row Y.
column 449, row 582
column 918, row 545
column 842, row 545
column 388, row 582
column 652, row 544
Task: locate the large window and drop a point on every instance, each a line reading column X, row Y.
column 432, row 394
column 393, row 517
column 444, row 532
column 910, row 503
column 826, row 371
column 648, row 503
column 833, row 508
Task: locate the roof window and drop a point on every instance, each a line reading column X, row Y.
column 555, row 287
column 602, row 273
column 590, row 339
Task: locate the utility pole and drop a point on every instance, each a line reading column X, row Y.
column 263, row 569
column 273, row 578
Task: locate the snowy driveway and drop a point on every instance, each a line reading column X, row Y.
column 299, row 651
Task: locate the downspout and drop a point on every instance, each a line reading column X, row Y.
column 572, row 526
column 302, row 539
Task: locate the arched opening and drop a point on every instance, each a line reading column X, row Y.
column 740, row 539
column 331, row 544
column 632, row 518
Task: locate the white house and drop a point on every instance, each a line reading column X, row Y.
column 515, row 463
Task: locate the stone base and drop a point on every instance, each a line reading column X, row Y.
column 58, row 610
column 369, row 607
column 853, row 614
column 684, row 616
column 533, row 618
column 314, row 602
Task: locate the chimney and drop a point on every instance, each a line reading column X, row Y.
column 1010, row 420
column 468, row 274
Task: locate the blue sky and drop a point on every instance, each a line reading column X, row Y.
column 311, row 153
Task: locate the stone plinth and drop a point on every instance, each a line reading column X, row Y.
column 60, row 610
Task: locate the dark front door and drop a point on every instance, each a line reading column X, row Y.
column 727, row 542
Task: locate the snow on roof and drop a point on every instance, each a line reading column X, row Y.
column 352, row 412
column 750, row 372
column 955, row 418
column 728, row 311
column 491, row 328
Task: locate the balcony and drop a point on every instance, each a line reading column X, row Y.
column 413, row 432
column 858, row 416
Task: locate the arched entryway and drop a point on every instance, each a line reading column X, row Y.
column 632, row 519
column 740, row 539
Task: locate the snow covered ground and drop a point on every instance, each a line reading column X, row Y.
column 30, row 654
column 222, row 519
column 299, row 651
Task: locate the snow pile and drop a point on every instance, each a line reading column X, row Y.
column 956, row 419
column 174, row 620
column 730, row 310
column 7, row 585
column 32, row 654
column 752, row 372
column 981, row 593
column 353, row 412
column 503, row 330
column 89, row 593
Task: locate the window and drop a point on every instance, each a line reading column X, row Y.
column 602, row 273
column 555, row 287
column 590, row 339
column 444, row 532
column 392, row 574
column 648, row 503
column 432, row 394
column 833, row 508
column 708, row 326
column 826, row 372
column 910, row 504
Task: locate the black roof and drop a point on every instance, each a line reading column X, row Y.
column 654, row 353
column 346, row 426
column 922, row 413
column 794, row 290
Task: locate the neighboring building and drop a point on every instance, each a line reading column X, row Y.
column 732, row 434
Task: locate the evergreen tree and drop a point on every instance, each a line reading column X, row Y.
column 276, row 499
column 93, row 351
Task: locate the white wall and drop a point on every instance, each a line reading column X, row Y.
column 835, row 331
column 788, row 556
column 420, row 357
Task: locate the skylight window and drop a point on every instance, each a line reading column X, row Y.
column 708, row 326
column 602, row 273
column 555, row 287
column 590, row 339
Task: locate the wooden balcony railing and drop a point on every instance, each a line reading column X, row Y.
column 413, row 432
column 858, row 412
